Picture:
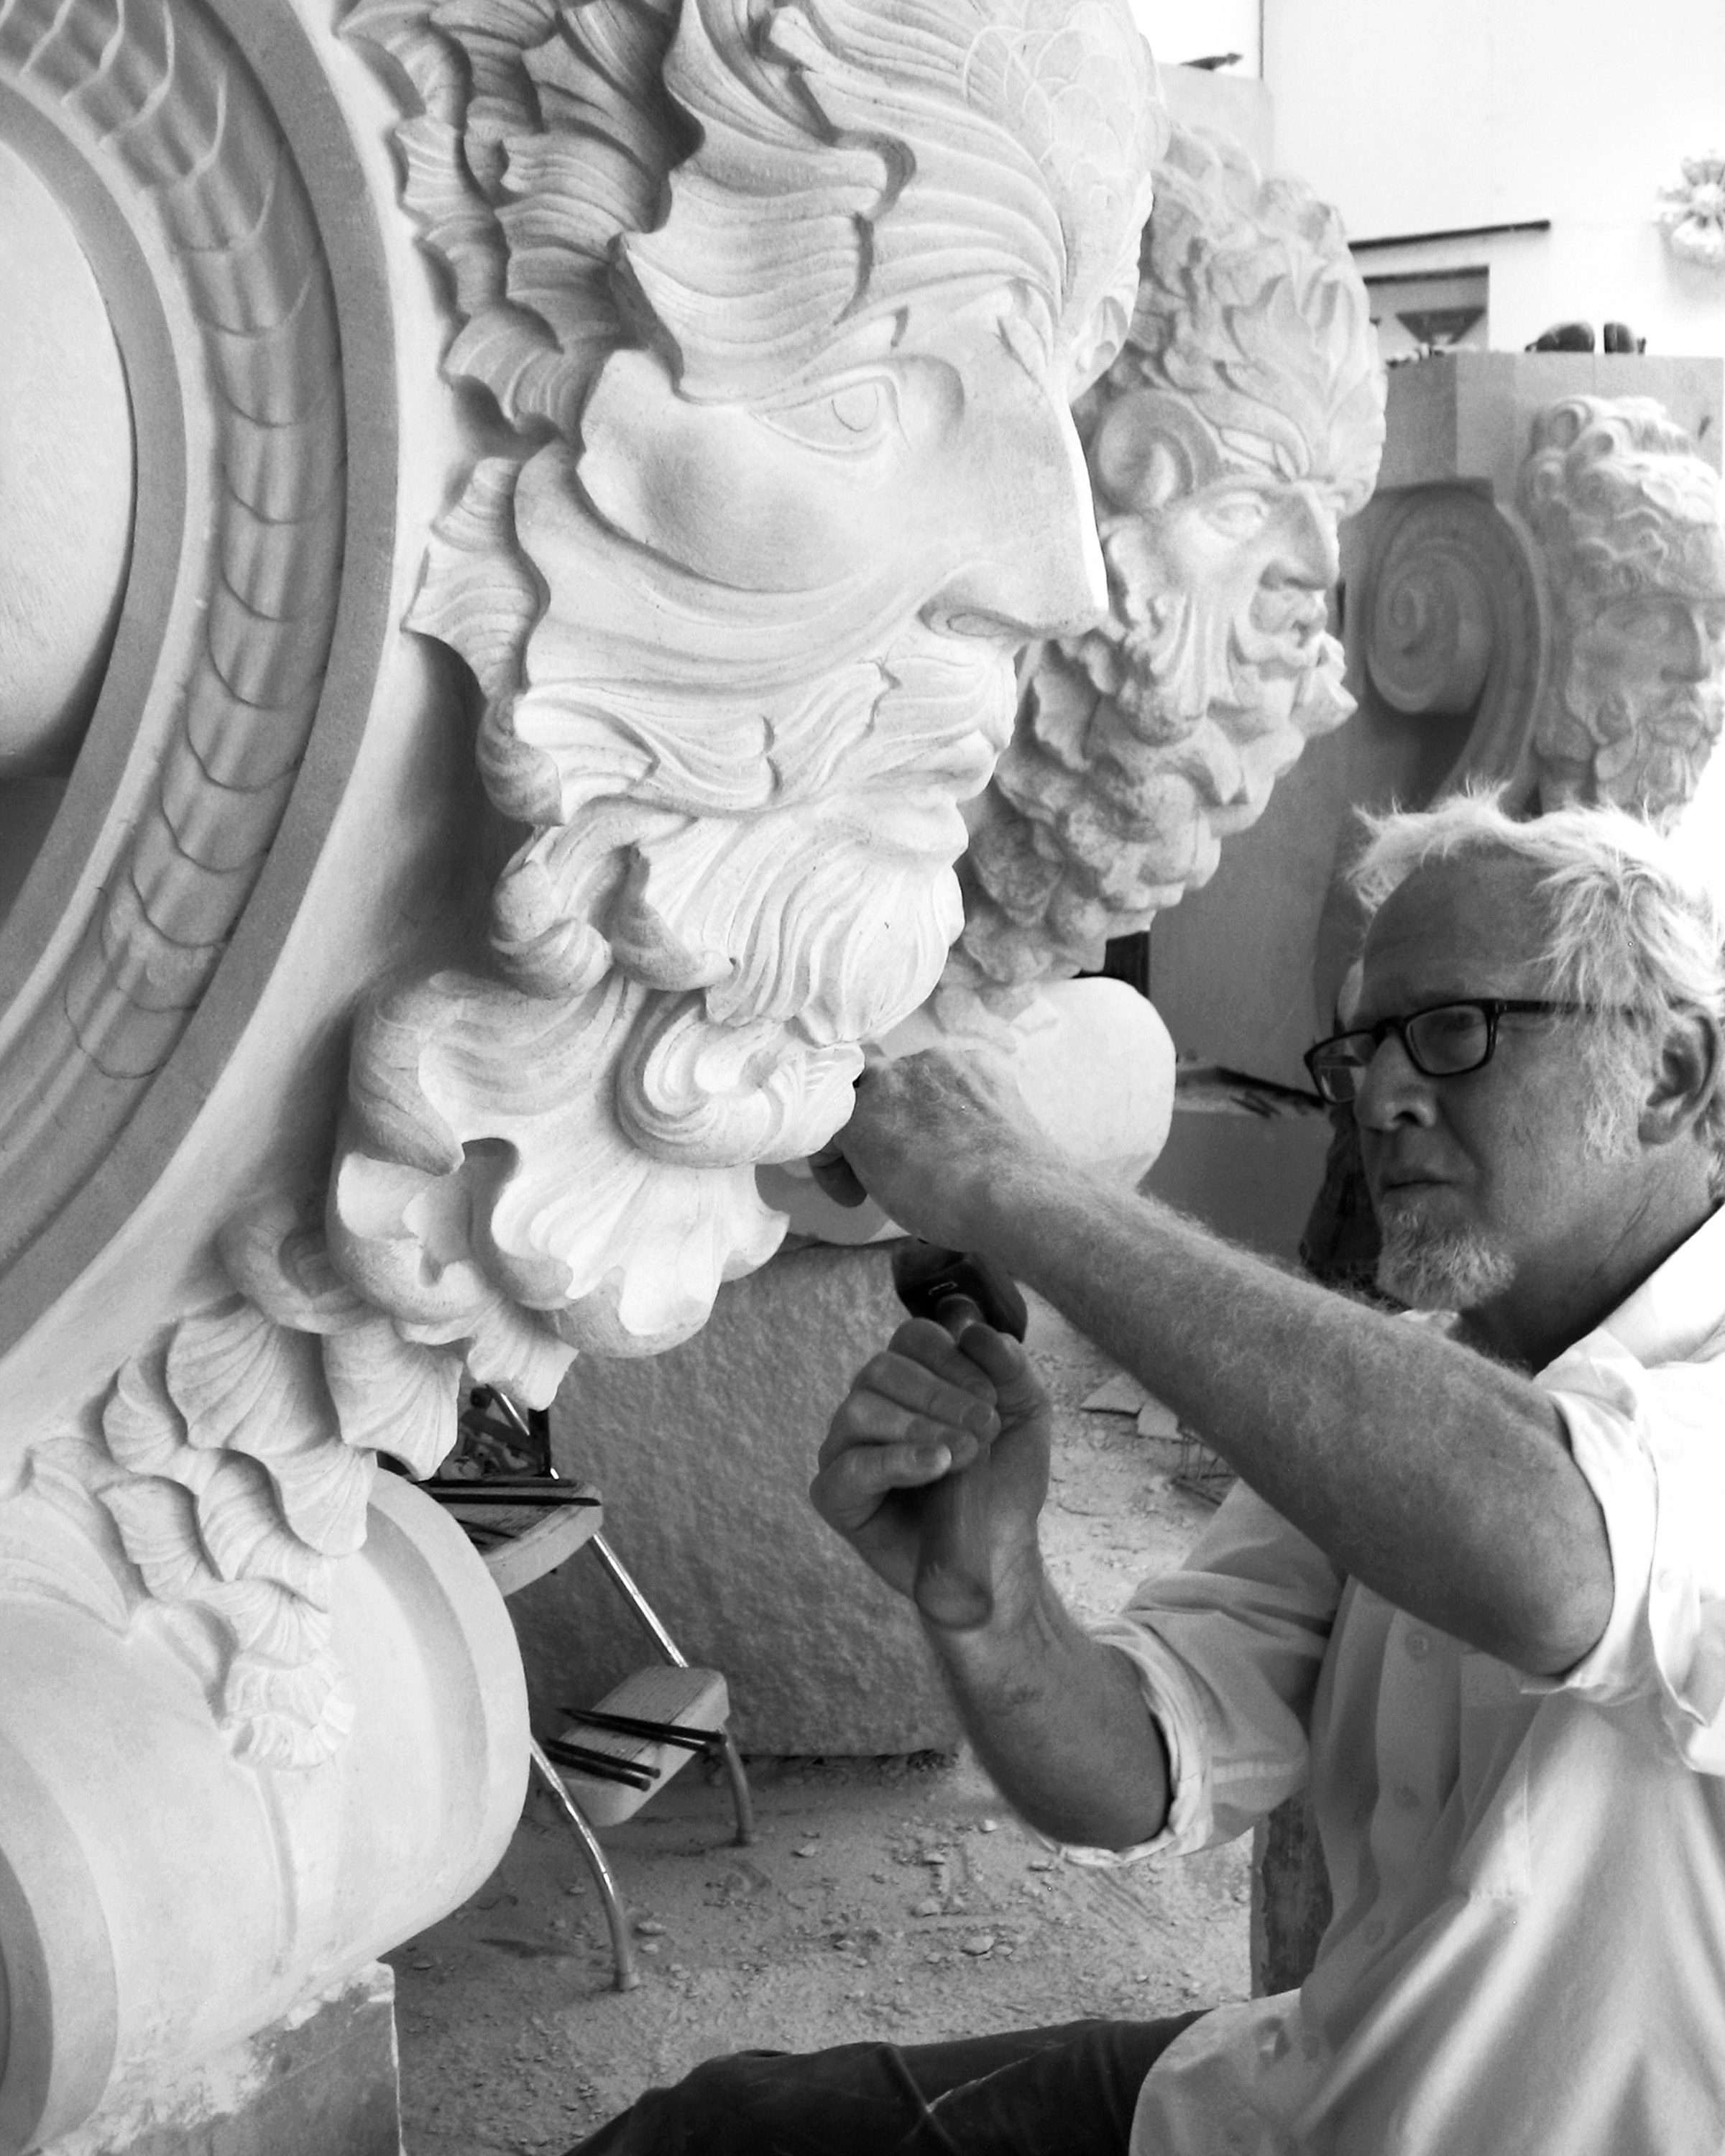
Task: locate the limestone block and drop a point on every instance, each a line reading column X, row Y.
column 323, row 2077
column 705, row 1456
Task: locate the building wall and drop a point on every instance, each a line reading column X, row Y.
column 1429, row 115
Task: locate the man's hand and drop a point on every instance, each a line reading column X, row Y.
column 925, row 1408
column 928, row 1130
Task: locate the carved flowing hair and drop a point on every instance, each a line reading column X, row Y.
column 1250, row 305
column 1616, row 495
column 956, row 146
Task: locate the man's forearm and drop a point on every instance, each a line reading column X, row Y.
column 1438, row 1478
column 1060, row 1722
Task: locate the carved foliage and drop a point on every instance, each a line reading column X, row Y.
column 1243, row 418
column 1692, row 212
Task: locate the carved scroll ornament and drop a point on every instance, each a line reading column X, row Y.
column 1582, row 630
column 1243, row 418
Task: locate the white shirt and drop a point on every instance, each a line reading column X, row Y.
column 1527, row 1953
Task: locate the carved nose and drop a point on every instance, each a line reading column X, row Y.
column 1037, row 567
column 1310, row 554
column 1694, row 651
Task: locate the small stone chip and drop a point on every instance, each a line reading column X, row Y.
column 988, row 1826
column 648, row 1928
column 806, row 1849
column 978, row 1943
column 1041, row 1864
column 930, row 1906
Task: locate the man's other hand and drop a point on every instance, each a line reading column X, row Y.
column 925, row 1408
column 927, row 1133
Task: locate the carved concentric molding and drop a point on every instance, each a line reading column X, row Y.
column 1244, row 417
column 1452, row 624
column 156, row 127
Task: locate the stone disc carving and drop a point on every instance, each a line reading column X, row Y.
column 1453, row 623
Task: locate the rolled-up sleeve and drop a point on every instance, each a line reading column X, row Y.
column 1651, row 1444
column 1227, row 1649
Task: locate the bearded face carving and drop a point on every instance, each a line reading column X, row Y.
column 1242, row 420
column 1629, row 520
column 746, row 621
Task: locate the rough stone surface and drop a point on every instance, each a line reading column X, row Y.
column 704, row 1457
column 322, row 2079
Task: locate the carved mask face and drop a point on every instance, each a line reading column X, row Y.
column 1646, row 678
column 1219, row 575
column 942, row 477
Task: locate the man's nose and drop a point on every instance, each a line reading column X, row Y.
column 1308, row 551
column 1392, row 1090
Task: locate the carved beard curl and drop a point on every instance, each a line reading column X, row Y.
column 1246, row 671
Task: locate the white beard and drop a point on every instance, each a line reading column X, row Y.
column 1441, row 1269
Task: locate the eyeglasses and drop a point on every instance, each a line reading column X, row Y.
column 1444, row 1040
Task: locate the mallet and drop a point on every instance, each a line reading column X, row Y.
column 956, row 1288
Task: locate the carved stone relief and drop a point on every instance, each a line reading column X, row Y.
column 745, row 621
column 756, row 463
column 1628, row 520
column 1692, row 212
column 1241, row 420
column 1578, row 628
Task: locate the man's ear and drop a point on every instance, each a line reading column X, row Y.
column 1690, row 1069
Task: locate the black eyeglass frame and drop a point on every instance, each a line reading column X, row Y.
column 1490, row 1007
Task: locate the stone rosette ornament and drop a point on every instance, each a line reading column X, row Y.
column 1692, row 212
column 1242, row 418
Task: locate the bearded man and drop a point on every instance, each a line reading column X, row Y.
column 1469, row 1585
column 1629, row 519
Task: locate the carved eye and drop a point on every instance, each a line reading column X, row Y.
column 846, row 421
column 1238, row 515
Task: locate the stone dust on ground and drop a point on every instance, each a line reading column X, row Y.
column 882, row 1898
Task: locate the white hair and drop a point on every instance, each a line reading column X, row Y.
column 1633, row 916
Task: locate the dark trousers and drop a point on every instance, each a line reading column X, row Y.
column 1063, row 2091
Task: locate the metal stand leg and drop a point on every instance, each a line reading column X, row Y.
column 667, row 1647
column 622, row 1950
column 740, row 1797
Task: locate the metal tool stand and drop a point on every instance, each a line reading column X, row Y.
column 617, row 1754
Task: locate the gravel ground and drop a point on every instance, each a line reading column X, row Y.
column 897, row 1898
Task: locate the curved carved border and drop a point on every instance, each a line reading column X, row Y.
column 193, row 752
column 1452, row 621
